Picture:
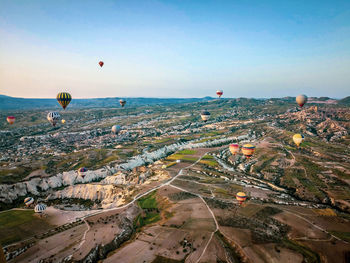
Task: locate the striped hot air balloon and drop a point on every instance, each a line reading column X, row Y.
column 40, row 208
column 248, row 150
column 205, row 115
column 234, row 148
column 28, row 201
column 53, row 117
column 241, row 197
column 64, row 99
column 298, row 139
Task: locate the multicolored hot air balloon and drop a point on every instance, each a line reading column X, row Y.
column 82, row 171
column 53, row 117
column 219, row 93
column 64, row 99
column 248, row 150
column 116, row 129
column 234, row 148
column 205, row 115
column 28, row 201
column 298, row 139
column 301, row 100
column 122, row 102
column 39, row 208
column 101, row 63
column 11, row 119
column 241, row 197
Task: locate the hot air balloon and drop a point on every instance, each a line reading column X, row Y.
column 53, row 117
column 234, row 148
column 248, row 150
column 39, row 208
column 28, row 201
column 241, row 197
column 298, row 139
column 122, row 102
column 63, row 121
column 301, row 100
column 219, row 93
column 205, row 115
column 11, row 119
column 101, row 63
column 82, row 171
column 64, row 99
column 116, row 129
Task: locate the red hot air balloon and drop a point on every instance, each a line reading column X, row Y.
column 219, row 93
column 11, row 119
column 101, row 63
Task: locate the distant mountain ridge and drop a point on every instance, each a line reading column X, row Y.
column 13, row 103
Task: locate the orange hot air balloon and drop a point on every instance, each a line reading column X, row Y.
column 122, row 102
column 248, row 150
column 234, row 148
column 219, row 93
column 101, row 63
column 241, row 197
column 11, row 119
column 301, row 100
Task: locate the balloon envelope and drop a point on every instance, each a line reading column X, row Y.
column 39, row 208
column 205, row 115
column 298, row 139
column 64, row 98
column 101, row 63
column 234, row 148
column 219, row 93
column 11, row 119
column 28, row 201
column 122, row 102
column 241, row 197
column 53, row 117
column 301, row 100
column 82, row 171
column 248, row 150
column 116, row 129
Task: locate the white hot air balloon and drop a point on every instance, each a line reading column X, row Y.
column 53, row 117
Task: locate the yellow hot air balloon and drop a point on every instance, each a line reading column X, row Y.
column 64, row 99
column 298, row 139
column 241, row 197
column 234, row 148
column 248, row 150
column 63, row 121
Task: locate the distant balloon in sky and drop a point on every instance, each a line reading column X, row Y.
column 234, row 148
column 11, row 119
column 219, row 93
column 116, row 129
column 241, row 197
column 53, row 117
column 205, row 115
column 248, row 150
column 101, row 63
column 298, row 139
column 64, row 99
column 122, row 102
column 301, row 100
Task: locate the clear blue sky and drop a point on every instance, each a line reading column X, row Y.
column 174, row 48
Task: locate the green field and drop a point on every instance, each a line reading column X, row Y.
column 150, row 212
column 16, row 225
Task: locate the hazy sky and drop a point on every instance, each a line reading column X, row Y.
column 174, row 48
